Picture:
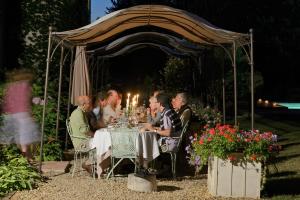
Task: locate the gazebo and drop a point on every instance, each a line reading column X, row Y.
column 174, row 31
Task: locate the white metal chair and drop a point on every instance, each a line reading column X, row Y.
column 81, row 150
column 173, row 152
column 123, row 146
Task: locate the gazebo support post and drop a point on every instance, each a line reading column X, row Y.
column 61, row 63
column 252, row 79
column 97, row 73
column 234, row 82
column 223, row 93
column 45, row 98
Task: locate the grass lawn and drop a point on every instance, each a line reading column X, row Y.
column 284, row 183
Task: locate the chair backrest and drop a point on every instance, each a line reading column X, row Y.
column 183, row 131
column 123, row 142
column 172, row 144
column 69, row 127
column 78, row 143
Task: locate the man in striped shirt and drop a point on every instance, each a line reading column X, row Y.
column 170, row 126
column 170, row 123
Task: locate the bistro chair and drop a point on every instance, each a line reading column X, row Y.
column 81, row 150
column 174, row 150
column 123, row 146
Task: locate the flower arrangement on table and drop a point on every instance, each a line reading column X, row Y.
column 225, row 141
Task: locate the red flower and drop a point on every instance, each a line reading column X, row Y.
column 247, row 140
column 201, row 141
column 257, row 138
column 253, row 157
column 212, row 131
column 231, row 158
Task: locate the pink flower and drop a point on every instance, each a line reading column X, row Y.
column 36, row 100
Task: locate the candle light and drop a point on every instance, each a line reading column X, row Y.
column 127, row 101
column 259, row 101
column 134, row 101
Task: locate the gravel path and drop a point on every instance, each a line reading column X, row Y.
column 83, row 187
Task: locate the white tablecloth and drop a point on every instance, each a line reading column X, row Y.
column 102, row 141
column 146, row 146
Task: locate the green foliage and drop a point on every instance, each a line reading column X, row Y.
column 176, row 75
column 37, row 17
column 52, row 149
column 243, row 77
column 15, row 172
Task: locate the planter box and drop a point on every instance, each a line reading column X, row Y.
column 233, row 179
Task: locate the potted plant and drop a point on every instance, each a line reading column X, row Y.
column 234, row 157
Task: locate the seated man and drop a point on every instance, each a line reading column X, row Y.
column 180, row 106
column 170, row 126
column 79, row 124
column 109, row 111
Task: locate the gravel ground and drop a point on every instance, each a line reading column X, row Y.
column 84, row 187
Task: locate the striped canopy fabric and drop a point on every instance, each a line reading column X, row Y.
column 185, row 24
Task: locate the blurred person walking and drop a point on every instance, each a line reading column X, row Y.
column 18, row 124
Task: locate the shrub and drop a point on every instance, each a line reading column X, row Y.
column 15, row 172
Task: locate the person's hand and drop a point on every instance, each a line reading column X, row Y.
column 142, row 130
column 148, row 126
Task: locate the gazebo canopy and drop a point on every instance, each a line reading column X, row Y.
column 180, row 32
column 165, row 42
column 185, row 24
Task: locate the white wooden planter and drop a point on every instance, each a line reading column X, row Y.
column 238, row 179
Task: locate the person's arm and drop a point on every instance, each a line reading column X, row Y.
column 167, row 128
column 166, row 132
